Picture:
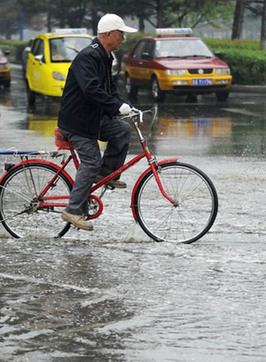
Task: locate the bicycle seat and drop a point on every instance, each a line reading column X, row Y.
column 60, row 142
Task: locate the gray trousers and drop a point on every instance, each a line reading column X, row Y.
column 112, row 130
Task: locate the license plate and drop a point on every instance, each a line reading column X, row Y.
column 202, row 82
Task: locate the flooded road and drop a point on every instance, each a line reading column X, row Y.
column 112, row 294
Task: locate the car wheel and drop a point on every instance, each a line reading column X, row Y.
column 131, row 89
column 157, row 94
column 222, row 95
column 31, row 96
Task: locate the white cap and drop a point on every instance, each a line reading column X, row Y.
column 111, row 22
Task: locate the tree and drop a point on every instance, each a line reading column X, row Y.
column 183, row 13
column 55, row 13
column 238, row 19
column 9, row 23
column 263, row 28
column 257, row 9
column 159, row 13
column 167, row 13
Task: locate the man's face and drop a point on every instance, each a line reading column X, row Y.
column 116, row 37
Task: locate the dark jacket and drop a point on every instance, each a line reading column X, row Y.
column 89, row 92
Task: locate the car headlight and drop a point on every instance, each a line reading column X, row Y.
column 58, row 76
column 175, row 72
column 222, row 71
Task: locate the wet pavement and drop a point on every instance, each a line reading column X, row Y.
column 112, row 294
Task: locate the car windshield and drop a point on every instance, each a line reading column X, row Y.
column 181, row 48
column 65, row 49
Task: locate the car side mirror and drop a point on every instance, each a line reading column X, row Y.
column 146, row 56
column 219, row 55
column 39, row 58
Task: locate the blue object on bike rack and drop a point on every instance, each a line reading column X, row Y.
column 19, row 152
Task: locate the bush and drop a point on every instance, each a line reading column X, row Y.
column 245, row 59
column 15, row 47
column 226, row 43
column 247, row 66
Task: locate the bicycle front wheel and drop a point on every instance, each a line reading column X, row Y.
column 22, row 213
column 194, row 212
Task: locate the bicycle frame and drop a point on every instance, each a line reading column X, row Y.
column 73, row 156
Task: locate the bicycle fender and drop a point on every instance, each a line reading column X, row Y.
column 139, row 180
column 39, row 161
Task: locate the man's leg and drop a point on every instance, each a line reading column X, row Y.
column 90, row 160
column 117, row 132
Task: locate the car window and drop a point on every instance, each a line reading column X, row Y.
column 181, row 48
column 139, row 49
column 149, row 48
column 37, row 47
column 30, row 43
column 65, row 49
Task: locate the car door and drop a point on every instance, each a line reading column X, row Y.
column 35, row 65
column 136, row 70
column 146, row 61
column 142, row 60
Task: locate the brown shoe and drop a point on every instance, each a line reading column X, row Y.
column 114, row 183
column 77, row 220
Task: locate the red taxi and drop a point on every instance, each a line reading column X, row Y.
column 4, row 69
column 175, row 62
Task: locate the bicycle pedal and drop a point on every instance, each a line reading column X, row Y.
column 109, row 187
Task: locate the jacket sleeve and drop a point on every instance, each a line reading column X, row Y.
column 86, row 70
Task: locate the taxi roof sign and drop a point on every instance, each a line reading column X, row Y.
column 70, row 31
column 173, row 31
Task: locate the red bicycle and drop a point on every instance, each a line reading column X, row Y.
column 171, row 200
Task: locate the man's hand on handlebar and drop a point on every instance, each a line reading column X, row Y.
column 125, row 109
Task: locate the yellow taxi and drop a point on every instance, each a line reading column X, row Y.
column 175, row 62
column 4, row 69
column 49, row 59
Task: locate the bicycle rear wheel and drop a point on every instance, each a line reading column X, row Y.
column 190, row 218
column 20, row 213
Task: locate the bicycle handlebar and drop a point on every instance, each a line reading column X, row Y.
column 137, row 113
column 133, row 113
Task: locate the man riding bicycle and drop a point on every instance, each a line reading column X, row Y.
column 90, row 109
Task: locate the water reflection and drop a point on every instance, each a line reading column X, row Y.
column 176, row 135
column 42, row 125
column 224, row 134
column 5, row 98
column 180, row 129
column 196, row 126
column 42, row 119
column 248, row 137
column 169, row 135
column 166, row 134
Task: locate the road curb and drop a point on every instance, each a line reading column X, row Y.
column 248, row 88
